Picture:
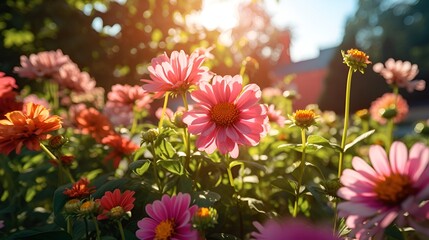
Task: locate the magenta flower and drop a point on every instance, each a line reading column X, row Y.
column 42, row 64
column 169, row 218
column 389, row 101
column 290, row 229
column 227, row 115
column 176, row 74
column 400, row 73
column 394, row 189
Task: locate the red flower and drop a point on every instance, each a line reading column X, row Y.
column 120, row 147
column 116, row 205
column 9, row 103
column 80, row 189
column 7, row 84
column 91, row 121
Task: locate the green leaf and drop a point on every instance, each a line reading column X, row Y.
column 58, row 203
column 235, row 163
column 321, row 141
column 206, row 198
column 251, row 164
column 164, row 149
column 358, row 139
column 140, row 166
column 110, row 186
column 184, row 184
column 173, row 166
column 283, row 184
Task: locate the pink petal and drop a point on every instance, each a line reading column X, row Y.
column 379, row 160
column 398, row 157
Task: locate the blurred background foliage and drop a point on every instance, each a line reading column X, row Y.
column 115, row 40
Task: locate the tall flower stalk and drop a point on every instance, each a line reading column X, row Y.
column 302, row 119
column 355, row 60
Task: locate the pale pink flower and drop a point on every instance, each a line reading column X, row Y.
column 130, row 96
column 42, row 64
column 169, row 114
column 227, row 115
column 1, row 224
column 35, row 99
column 119, row 115
column 7, row 84
column 206, row 52
column 394, row 189
column 275, row 116
column 176, row 74
column 400, row 73
column 169, row 218
column 386, row 102
column 290, row 229
column 69, row 76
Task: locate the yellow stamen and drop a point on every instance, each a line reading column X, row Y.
column 394, row 189
column 164, row 230
column 224, row 114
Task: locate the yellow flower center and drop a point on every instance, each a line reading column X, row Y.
column 224, row 114
column 164, row 230
column 394, row 189
column 117, row 212
column 203, row 212
column 304, row 118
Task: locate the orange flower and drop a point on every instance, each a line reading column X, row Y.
column 80, row 189
column 91, row 121
column 304, row 118
column 27, row 128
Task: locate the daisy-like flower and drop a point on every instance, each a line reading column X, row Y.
column 79, row 189
column 35, row 99
column 169, row 218
column 400, row 74
column 120, row 147
column 27, row 128
column 175, row 74
column 91, row 121
column 128, row 95
column 289, row 229
column 393, row 190
column 7, row 84
column 355, row 59
column 116, row 205
column 384, row 108
column 42, row 64
column 304, row 118
column 227, row 115
column 69, row 76
column 275, row 116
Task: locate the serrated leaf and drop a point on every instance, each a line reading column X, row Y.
column 140, row 166
column 173, row 166
column 358, row 139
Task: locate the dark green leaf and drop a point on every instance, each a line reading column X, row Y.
column 223, row 236
column 140, row 166
column 283, row 184
column 173, row 166
column 206, row 198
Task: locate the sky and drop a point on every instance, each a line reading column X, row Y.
column 315, row 24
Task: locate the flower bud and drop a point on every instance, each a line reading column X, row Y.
column 72, row 206
column 388, row 113
column 355, row 59
column 56, row 142
column 332, row 186
column 149, row 136
column 178, row 120
column 204, row 218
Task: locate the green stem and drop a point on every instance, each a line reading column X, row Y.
column 60, row 165
column 390, row 122
column 97, row 229
column 121, row 230
column 228, row 168
column 155, row 169
column 70, row 226
column 346, row 121
column 301, row 173
column 135, row 120
column 161, row 120
column 86, row 229
column 187, row 141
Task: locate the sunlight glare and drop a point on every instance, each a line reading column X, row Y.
column 219, row 14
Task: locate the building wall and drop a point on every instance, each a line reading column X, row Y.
column 309, row 86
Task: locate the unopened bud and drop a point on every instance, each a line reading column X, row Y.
column 149, row 136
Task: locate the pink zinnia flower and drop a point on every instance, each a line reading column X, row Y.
column 275, row 116
column 42, row 64
column 169, row 218
column 387, row 102
column 227, row 115
column 116, row 205
column 400, row 73
column 119, row 115
column 35, row 99
column 7, row 84
column 394, row 189
column 129, row 96
column 290, row 229
column 176, row 74
column 70, row 77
